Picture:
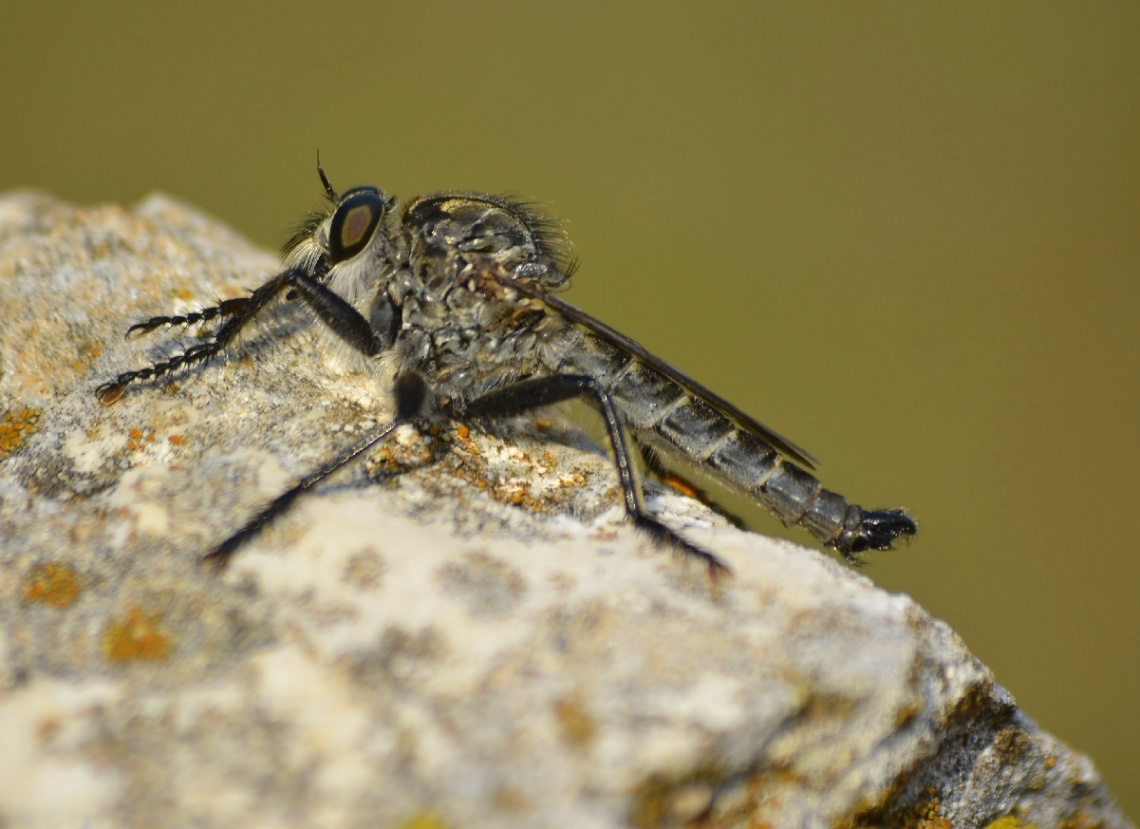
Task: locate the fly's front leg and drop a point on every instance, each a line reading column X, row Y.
column 111, row 391
column 332, row 310
column 410, row 395
column 222, row 309
column 546, row 391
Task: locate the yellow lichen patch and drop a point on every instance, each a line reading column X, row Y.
column 135, row 636
column 15, row 426
column 574, row 722
column 425, row 820
column 665, row 800
column 52, row 584
column 1009, row 822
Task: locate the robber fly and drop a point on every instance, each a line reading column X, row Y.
column 455, row 293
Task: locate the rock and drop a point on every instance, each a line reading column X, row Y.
column 480, row 641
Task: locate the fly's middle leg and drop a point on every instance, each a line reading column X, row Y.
column 410, row 393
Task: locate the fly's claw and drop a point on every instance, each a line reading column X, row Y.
column 141, row 329
column 108, row 393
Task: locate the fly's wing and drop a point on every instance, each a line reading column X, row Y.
column 624, row 343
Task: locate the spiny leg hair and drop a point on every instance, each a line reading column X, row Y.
column 224, row 308
column 334, row 311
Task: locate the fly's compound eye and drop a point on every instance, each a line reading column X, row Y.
column 354, row 222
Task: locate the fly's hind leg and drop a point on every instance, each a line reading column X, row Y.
column 679, row 483
column 546, row 391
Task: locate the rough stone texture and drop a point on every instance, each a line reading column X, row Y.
column 479, row 642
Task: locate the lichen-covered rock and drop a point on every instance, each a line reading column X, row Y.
column 480, row 641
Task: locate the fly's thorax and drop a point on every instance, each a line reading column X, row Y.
column 490, row 229
column 467, row 341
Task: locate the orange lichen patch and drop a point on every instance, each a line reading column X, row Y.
column 136, row 636
column 514, row 492
column 924, row 813
column 177, row 439
column 464, row 435
column 574, row 479
column 137, row 439
column 52, row 584
column 88, row 351
column 15, row 427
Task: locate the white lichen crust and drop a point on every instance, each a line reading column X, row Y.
column 461, row 632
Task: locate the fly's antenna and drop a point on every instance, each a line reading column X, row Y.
column 332, row 194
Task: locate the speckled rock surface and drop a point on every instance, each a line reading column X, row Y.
column 478, row 642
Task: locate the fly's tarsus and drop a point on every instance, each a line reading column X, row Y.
column 457, row 289
column 224, row 308
column 108, row 393
column 663, row 535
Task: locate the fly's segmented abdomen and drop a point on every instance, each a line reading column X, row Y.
column 665, row 414
column 660, row 411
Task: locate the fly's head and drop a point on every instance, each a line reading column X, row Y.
column 350, row 246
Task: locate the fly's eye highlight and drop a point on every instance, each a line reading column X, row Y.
column 354, row 222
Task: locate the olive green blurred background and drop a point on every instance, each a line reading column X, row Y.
column 905, row 235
